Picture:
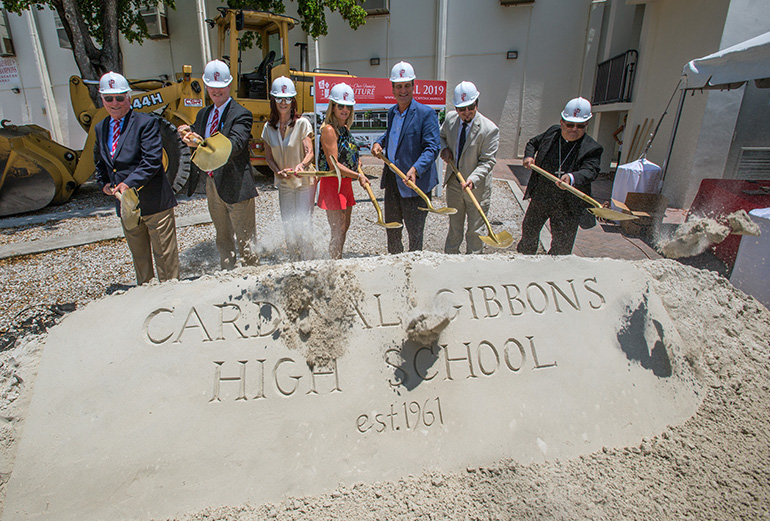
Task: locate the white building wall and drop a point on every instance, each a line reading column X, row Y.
column 523, row 96
column 674, row 32
column 745, row 19
column 28, row 106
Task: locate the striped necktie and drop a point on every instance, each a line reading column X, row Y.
column 214, row 122
column 115, row 135
column 213, row 130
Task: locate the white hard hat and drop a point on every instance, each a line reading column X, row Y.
column 577, row 110
column 216, row 74
column 401, row 72
column 342, row 94
column 465, row 94
column 113, row 83
column 283, row 87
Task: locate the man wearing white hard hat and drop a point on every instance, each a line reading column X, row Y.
column 128, row 156
column 469, row 141
column 412, row 143
column 230, row 189
column 568, row 153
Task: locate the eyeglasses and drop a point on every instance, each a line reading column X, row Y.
column 467, row 107
column 569, row 124
column 283, row 101
column 109, row 99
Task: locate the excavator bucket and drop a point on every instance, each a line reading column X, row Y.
column 29, row 177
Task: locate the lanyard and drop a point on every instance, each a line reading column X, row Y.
column 561, row 163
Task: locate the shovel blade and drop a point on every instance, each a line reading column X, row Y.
column 611, row 215
column 386, row 225
column 213, row 153
column 502, row 239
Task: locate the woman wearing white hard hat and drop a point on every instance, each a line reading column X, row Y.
column 289, row 147
column 337, row 142
column 574, row 157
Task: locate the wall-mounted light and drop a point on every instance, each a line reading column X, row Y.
column 374, row 61
column 16, row 90
column 511, row 55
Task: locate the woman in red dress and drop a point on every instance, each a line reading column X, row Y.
column 337, row 142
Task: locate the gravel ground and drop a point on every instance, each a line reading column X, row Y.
column 38, row 288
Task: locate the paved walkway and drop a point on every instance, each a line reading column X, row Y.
column 603, row 240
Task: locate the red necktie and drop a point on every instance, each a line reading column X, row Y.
column 214, row 122
column 115, row 135
column 213, row 129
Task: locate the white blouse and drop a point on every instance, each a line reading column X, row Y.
column 288, row 152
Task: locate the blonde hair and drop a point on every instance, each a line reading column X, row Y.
column 330, row 119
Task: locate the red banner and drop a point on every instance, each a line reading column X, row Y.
column 376, row 93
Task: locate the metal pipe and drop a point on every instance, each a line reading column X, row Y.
column 673, row 136
column 204, row 33
column 45, row 80
column 441, row 40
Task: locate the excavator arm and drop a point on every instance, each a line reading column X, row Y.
column 37, row 171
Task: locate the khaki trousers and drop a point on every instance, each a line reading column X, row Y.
column 458, row 198
column 155, row 236
column 233, row 222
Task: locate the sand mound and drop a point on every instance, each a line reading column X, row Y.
column 697, row 235
column 716, row 466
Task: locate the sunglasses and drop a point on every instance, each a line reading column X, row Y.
column 573, row 125
column 467, row 107
column 283, row 101
column 109, row 99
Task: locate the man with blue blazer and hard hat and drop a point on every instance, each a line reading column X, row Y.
column 412, row 144
column 128, row 156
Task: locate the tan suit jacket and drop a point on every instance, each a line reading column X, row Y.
column 479, row 153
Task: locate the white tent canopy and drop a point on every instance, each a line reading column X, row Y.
column 731, row 67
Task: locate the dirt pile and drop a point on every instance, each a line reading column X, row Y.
column 697, row 235
column 318, row 305
column 716, row 466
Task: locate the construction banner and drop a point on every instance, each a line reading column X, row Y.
column 377, row 94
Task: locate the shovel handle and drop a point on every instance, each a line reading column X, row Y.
column 574, row 191
column 368, row 188
column 320, row 173
column 195, row 139
column 473, row 198
column 403, row 176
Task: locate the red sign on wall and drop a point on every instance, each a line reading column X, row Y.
column 376, row 93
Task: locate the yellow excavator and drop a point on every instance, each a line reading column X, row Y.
column 37, row 171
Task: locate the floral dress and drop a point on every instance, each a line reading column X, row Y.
column 330, row 196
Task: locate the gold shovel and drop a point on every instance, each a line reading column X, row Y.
column 129, row 208
column 596, row 208
column 380, row 221
column 443, row 211
column 212, row 153
column 500, row 240
column 332, row 173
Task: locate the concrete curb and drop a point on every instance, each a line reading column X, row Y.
column 44, row 245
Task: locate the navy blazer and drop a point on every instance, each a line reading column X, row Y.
column 418, row 146
column 138, row 161
column 235, row 180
